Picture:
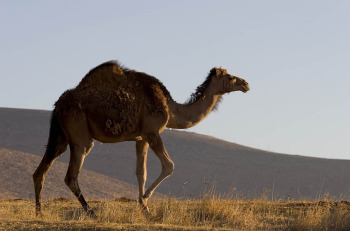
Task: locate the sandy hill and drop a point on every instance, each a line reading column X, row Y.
column 198, row 159
column 16, row 169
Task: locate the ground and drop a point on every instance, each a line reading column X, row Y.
column 207, row 213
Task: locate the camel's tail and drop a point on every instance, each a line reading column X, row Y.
column 57, row 142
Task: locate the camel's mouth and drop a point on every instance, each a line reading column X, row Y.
column 245, row 88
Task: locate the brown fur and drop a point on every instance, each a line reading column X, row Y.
column 115, row 104
column 201, row 88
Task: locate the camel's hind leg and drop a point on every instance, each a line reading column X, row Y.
column 52, row 152
column 77, row 156
column 80, row 143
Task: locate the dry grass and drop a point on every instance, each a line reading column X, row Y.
column 207, row 213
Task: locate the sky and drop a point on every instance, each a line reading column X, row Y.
column 294, row 55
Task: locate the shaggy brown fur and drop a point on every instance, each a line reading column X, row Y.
column 201, row 88
column 114, row 104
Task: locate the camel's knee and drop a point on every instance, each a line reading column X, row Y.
column 141, row 177
column 35, row 176
column 140, row 173
column 38, row 179
column 168, row 169
column 72, row 184
column 70, row 181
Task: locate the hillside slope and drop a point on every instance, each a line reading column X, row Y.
column 16, row 169
column 198, row 159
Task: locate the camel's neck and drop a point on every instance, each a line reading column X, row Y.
column 188, row 115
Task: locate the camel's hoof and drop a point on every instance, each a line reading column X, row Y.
column 145, row 209
column 143, row 204
column 91, row 214
column 39, row 214
column 38, row 210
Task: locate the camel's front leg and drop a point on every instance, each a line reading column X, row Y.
column 156, row 144
column 141, row 169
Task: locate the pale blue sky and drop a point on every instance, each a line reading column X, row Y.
column 295, row 55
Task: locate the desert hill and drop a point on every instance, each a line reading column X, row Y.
column 16, row 169
column 199, row 160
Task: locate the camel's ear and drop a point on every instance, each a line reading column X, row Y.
column 215, row 71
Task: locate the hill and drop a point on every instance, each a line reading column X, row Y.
column 199, row 160
column 16, row 169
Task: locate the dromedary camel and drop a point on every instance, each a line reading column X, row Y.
column 113, row 104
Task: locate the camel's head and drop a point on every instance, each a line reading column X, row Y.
column 228, row 83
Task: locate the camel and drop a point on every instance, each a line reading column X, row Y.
column 113, row 104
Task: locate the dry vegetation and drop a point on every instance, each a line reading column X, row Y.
column 207, row 213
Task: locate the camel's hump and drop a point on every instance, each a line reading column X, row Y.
column 104, row 74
